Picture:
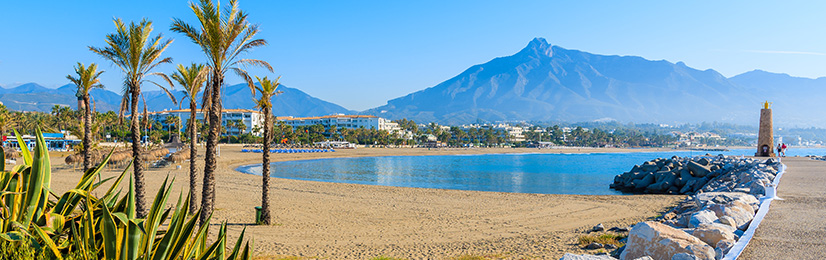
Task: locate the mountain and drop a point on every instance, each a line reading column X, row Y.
column 549, row 83
column 292, row 102
column 795, row 101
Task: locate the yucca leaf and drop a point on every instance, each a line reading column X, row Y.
column 153, row 218
column 185, row 235
column 222, row 241
column 246, row 254
column 208, row 254
column 132, row 240
column 47, row 240
column 24, row 149
column 198, row 244
column 109, row 232
column 12, row 236
column 34, row 190
column 237, row 246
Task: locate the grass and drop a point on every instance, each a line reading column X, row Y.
column 605, row 239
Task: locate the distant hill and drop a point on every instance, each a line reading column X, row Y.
column 795, row 101
column 292, row 102
column 549, row 83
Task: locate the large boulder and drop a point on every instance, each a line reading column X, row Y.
column 711, row 234
column 662, row 242
column 702, row 217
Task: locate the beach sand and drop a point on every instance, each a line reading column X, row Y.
column 319, row 220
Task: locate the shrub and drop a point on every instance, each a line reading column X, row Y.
column 79, row 225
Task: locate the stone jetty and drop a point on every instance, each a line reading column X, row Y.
column 724, row 192
column 690, row 175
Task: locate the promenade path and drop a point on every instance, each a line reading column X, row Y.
column 794, row 228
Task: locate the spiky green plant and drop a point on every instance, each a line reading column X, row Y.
column 79, row 225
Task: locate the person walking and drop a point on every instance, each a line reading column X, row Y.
column 779, row 150
column 784, row 149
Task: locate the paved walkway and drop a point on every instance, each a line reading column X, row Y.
column 794, row 228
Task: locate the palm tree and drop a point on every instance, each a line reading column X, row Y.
column 267, row 91
column 191, row 79
column 87, row 78
column 137, row 55
column 223, row 37
column 239, row 124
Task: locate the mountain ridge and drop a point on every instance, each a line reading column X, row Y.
column 544, row 82
column 34, row 97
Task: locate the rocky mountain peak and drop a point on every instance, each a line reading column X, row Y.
column 538, row 46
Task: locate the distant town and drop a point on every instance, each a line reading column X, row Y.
column 245, row 126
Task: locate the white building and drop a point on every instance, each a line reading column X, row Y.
column 253, row 120
column 344, row 121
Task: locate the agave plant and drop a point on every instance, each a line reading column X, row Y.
column 80, row 225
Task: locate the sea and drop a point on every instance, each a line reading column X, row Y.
column 543, row 173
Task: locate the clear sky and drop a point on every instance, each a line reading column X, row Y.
column 359, row 54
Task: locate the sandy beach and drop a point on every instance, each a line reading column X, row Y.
column 319, row 220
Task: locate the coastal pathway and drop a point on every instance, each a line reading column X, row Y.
column 794, row 228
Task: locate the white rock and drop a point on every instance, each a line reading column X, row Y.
column 711, row 234
column 702, row 217
column 660, row 241
column 726, row 220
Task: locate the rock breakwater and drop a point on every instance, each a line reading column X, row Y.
column 690, row 175
column 724, row 192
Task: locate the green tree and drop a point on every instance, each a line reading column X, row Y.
column 191, row 79
column 86, row 79
column 137, row 54
column 267, row 89
column 223, row 37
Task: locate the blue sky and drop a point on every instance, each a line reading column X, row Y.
column 359, row 54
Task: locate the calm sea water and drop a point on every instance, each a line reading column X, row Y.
column 587, row 174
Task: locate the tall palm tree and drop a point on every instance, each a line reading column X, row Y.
column 267, row 91
column 137, row 55
column 229, row 125
column 223, row 37
column 191, row 79
column 87, row 78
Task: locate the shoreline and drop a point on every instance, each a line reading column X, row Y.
column 356, row 221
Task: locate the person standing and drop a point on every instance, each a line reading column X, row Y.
column 779, row 150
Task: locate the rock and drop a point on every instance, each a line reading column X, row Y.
column 598, row 227
column 660, row 241
column 594, row 245
column 697, row 169
column 701, row 217
column 726, row 220
column 618, row 229
column 712, row 234
column 683, row 256
column 724, row 245
column 569, row 256
column 644, row 182
column 610, row 247
column 669, row 215
column 644, row 258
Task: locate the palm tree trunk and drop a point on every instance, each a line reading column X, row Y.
column 87, row 134
column 137, row 164
column 210, row 160
column 193, row 174
column 265, row 171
